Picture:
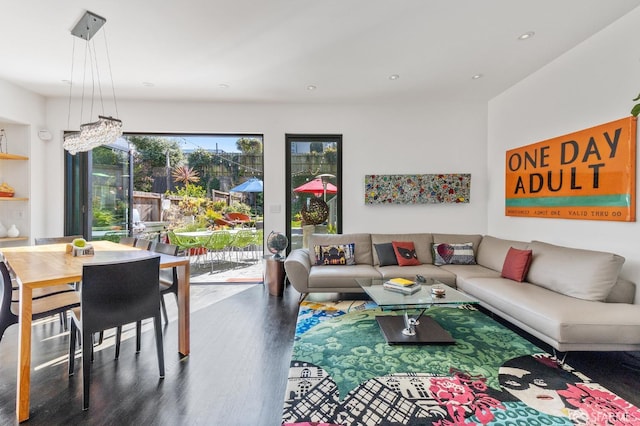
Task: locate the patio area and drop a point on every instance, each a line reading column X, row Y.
column 227, row 272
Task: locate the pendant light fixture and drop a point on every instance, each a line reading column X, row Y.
column 106, row 129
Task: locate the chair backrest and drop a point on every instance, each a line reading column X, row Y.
column 113, row 294
column 6, row 316
column 167, row 275
column 165, row 248
column 55, row 240
column 142, row 243
column 221, row 240
column 242, row 238
column 129, row 241
column 239, row 217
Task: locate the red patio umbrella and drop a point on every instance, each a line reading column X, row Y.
column 317, row 188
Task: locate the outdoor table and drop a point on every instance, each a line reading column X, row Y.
column 50, row 265
column 194, row 234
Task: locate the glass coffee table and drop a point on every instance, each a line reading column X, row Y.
column 413, row 329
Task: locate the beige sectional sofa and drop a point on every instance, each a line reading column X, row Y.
column 572, row 299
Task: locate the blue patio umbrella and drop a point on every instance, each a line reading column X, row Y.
column 251, row 185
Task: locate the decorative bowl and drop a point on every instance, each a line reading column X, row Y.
column 438, row 291
column 7, row 194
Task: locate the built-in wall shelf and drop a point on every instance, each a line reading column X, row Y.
column 15, row 172
column 5, row 156
column 14, row 199
column 9, row 239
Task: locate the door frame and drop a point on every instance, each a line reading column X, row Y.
column 291, row 138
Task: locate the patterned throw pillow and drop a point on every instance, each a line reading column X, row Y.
column 405, row 253
column 453, row 254
column 337, row 254
column 516, row 264
column 386, row 254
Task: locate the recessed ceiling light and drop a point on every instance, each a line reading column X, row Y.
column 477, row 76
column 526, row 35
column 394, row 77
column 223, row 86
column 148, row 84
column 311, row 87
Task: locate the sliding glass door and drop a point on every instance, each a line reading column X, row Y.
column 98, row 195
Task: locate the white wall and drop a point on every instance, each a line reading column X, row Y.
column 589, row 85
column 433, row 137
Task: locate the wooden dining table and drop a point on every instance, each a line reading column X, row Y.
column 50, row 265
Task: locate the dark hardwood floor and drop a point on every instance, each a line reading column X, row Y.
column 236, row 373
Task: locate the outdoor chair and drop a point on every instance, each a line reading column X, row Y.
column 224, row 222
column 238, row 218
column 218, row 244
column 258, row 243
column 112, row 295
column 44, row 305
column 185, row 244
column 241, row 241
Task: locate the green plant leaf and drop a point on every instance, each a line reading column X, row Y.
column 635, row 110
column 637, row 98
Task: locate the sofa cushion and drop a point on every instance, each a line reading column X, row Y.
column 386, row 254
column 332, row 277
column 623, row 291
column 335, row 254
column 562, row 318
column 362, row 245
column 405, row 253
column 584, row 274
column 492, row 251
column 421, row 241
column 516, row 264
column 468, row 271
column 453, row 254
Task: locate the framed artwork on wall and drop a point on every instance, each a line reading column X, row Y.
column 417, row 189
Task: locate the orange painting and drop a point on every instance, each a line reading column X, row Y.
column 588, row 175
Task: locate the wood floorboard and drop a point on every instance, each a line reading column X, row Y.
column 236, row 373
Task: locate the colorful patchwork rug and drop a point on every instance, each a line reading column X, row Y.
column 344, row 373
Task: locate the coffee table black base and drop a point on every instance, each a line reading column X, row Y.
column 428, row 331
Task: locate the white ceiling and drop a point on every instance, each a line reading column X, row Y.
column 272, row 50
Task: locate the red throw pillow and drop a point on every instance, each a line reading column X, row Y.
column 516, row 264
column 405, row 253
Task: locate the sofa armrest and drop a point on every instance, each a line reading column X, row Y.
column 298, row 266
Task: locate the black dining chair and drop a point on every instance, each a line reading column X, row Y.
column 143, row 243
column 43, row 306
column 128, row 241
column 55, row 240
column 168, row 277
column 37, row 293
column 114, row 294
column 168, row 283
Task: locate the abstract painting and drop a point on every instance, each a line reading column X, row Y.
column 417, row 189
